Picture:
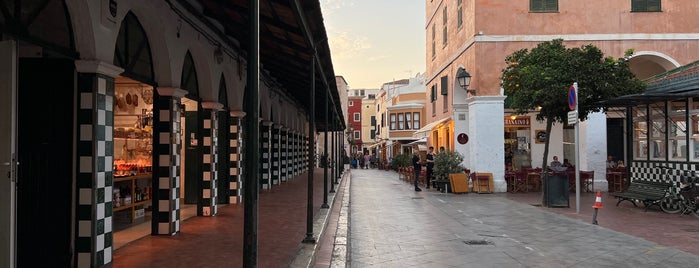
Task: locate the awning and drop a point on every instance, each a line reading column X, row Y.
column 425, row 131
column 374, row 145
column 422, row 140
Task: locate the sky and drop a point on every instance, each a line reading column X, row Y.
column 375, row 41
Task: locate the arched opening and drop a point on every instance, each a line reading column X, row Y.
column 191, row 136
column 132, row 194
column 223, row 144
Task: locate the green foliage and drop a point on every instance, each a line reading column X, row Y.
column 446, row 163
column 401, row 160
column 541, row 78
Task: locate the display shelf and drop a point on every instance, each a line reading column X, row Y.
column 132, row 180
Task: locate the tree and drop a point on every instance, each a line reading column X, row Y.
column 541, row 78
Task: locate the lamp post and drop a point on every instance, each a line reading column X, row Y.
column 464, row 79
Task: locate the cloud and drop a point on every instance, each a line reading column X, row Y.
column 330, row 6
column 346, row 45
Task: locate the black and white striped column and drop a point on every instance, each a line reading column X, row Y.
column 94, row 182
column 236, row 153
column 209, row 162
column 297, row 153
column 276, row 153
column 283, row 153
column 166, row 177
column 265, row 153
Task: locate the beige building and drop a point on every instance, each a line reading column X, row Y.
column 476, row 36
column 369, row 121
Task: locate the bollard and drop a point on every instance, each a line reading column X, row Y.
column 598, row 205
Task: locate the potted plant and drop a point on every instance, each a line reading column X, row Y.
column 446, row 163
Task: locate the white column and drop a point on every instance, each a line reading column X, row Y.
column 487, row 127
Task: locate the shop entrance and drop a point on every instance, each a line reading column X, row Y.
column 133, row 155
column 45, row 129
column 517, row 142
column 191, row 153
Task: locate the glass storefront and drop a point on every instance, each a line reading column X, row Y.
column 517, row 141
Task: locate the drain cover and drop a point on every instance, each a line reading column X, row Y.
column 478, row 242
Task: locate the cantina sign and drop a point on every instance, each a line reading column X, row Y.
column 517, row 122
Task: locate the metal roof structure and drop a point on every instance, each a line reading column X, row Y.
column 292, row 38
column 679, row 83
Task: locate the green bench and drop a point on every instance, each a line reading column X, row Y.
column 648, row 192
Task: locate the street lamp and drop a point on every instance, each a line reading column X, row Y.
column 464, row 79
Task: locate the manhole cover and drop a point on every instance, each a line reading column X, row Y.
column 478, row 242
column 417, row 197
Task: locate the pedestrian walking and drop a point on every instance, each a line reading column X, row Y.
column 367, row 160
column 417, row 167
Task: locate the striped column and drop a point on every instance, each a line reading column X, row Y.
column 265, row 153
column 209, row 179
column 276, row 152
column 236, row 160
column 223, row 157
column 93, row 236
column 283, row 153
column 304, row 160
column 296, row 153
column 166, row 177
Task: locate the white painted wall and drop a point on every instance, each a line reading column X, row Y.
column 488, row 153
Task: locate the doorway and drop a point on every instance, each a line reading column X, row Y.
column 191, row 152
column 45, row 142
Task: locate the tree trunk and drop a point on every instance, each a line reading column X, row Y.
column 544, row 163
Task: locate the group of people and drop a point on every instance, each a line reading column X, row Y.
column 417, row 166
column 364, row 161
column 610, row 163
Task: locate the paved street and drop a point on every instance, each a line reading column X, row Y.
column 391, row 225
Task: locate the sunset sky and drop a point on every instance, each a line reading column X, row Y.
column 375, row 41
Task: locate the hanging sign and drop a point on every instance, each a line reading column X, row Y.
column 462, row 138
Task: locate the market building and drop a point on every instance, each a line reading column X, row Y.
column 125, row 112
column 475, row 37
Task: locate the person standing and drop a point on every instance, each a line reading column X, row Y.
column 367, row 160
column 417, row 167
column 430, row 166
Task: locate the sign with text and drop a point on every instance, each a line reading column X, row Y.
column 572, row 117
column 519, row 121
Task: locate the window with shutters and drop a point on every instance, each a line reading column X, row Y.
column 543, row 5
column 433, row 93
column 373, row 134
column 444, row 24
column 416, row 120
column 434, row 38
column 408, row 120
column 459, row 14
column 373, row 120
column 400, row 121
column 645, row 6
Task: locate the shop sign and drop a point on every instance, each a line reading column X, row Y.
column 517, row 122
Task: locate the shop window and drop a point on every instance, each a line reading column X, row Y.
column 400, row 121
column 658, row 131
column 677, row 129
column 694, row 129
column 640, row 133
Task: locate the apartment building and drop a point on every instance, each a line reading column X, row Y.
column 476, row 36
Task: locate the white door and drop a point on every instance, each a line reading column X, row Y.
column 8, row 93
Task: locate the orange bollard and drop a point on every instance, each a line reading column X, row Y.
column 598, row 204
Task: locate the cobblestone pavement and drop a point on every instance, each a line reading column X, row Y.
column 391, row 225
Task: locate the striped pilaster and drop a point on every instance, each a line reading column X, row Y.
column 236, row 161
column 265, row 152
column 276, row 153
column 94, row 234
column 283, row 153
column 166, row 182
column 304, row 149
column 209, row 179
column 296, row 154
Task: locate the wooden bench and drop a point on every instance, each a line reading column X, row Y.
column 650, row 193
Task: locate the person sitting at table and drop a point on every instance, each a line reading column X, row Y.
column 555, row 162
column 610, row 162
column 566, row 163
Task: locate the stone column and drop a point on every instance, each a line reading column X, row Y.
column 166, row 164
column 209, row 161
column 236, row 160
column 265, row 152
column 94, row 182
column 486, row 154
